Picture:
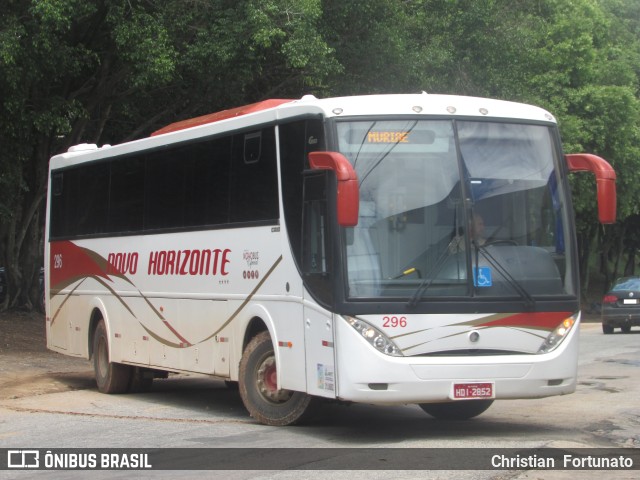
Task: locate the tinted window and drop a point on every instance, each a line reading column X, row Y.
column 213, row 182
column 254, row 177
column 126, row 195
column 297, row 139
column 188, row 186
column 69, row 216
column 165, row 189
column 206, row 199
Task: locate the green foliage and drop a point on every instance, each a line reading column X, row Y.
column 607, row 121
column 142, row 42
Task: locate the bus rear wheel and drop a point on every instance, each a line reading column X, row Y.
column 258, row 387
column 460, row 410
column 110, row 377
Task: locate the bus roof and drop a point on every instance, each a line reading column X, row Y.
column 397, row 104
column 275, row 110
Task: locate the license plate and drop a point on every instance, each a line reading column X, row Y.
column 467, row 391
column 630, row 301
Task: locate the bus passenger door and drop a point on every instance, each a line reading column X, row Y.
column 316, row 265
column 319, row 352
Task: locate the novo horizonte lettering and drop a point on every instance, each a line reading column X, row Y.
column 173, row 262
column 189, row 262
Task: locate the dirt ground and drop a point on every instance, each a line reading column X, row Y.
column 26, row 366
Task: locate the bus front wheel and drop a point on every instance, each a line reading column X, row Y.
column 460, row 410
column 110, row 377
column 258, row 387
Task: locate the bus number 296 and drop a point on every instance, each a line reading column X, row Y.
column 393, row 322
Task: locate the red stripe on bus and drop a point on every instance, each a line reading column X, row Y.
column 545, row 320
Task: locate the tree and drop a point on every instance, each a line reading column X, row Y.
column 65, row 64
column 106, row 71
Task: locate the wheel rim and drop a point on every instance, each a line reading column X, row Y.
column 267, row 382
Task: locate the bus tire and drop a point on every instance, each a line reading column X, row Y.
column 460, row 410
column 110, row 377
column 257, row 385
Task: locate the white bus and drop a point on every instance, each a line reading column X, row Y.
column 303, row 249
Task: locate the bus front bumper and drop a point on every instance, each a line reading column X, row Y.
column 366, row 375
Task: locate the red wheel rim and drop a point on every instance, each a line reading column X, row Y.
column 267, row 382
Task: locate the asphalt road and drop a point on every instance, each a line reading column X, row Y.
column 66, row 411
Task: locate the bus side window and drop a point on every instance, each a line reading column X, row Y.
column 297, row 139
column 252, row 147
column 315, row 225
column 316, row 246
column 126, row 195
column 315, row 250
column 57, row 180
column 253, row 183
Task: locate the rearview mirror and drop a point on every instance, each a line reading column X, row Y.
column 348, row 191
column 605, row 182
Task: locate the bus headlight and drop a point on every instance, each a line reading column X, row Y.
column 375, row 337
column 556, row 336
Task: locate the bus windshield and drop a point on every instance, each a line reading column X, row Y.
column 456, row 209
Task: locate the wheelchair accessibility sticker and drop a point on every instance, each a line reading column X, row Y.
column 482, row 277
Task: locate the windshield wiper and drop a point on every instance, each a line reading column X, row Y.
column 386, row 154
column 524, row 294
column 431, row 276
column 529, row 301
column 355, row 160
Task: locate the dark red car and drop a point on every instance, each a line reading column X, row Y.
column 621, row 305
